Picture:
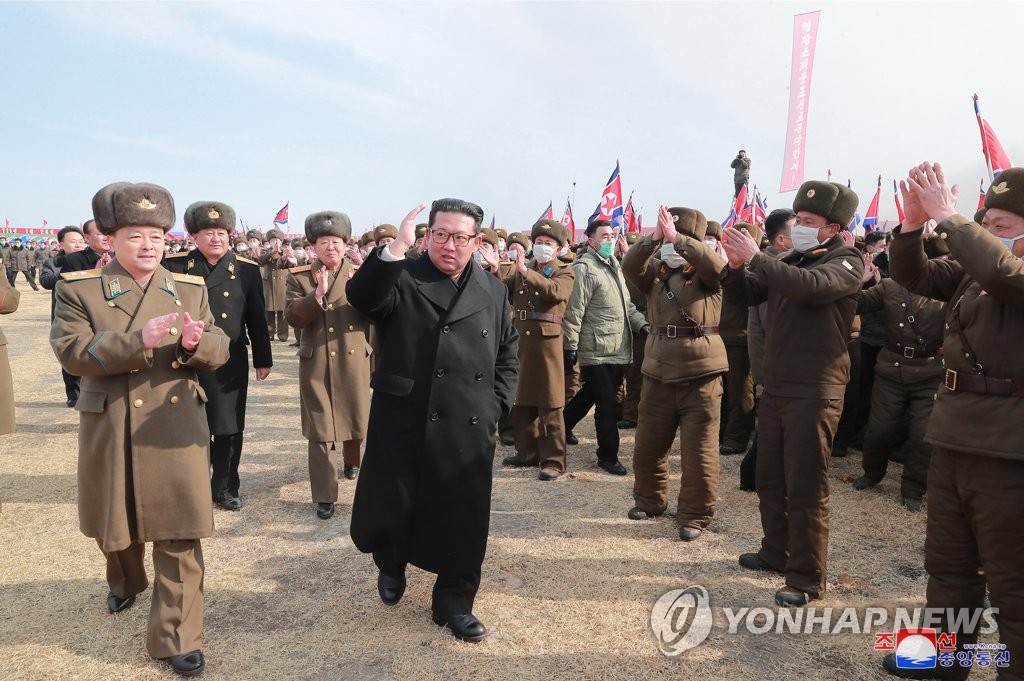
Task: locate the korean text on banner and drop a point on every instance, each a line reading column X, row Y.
column 805, row 36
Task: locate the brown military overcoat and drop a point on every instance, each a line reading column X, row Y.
column 545, row 289
column 334, row 356
column 274, row 270
column 143, row 441
column 9, row 297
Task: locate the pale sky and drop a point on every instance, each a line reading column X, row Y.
column 371, row 108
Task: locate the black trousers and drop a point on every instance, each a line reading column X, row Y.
column 748, row 468
column 868, row 357
column 71, row 385
column 599, row 382
column 453, row 594
column 225, row 454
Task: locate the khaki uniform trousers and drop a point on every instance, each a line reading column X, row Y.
column 794, row 446
column 323, row 467
column 898, row 409
column 176, row 612
column 694, row 409
column 738, row 405
column 540, row 435
column 276, row 323
column 974, row 511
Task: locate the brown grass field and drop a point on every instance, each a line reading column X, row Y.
column 568, row 583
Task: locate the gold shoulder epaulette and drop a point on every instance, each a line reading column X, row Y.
column 189, row 279
column 179, row 254
column 251, row 262
column 80, row 275
column 300, row 269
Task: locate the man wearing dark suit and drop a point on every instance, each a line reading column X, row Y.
column 447, row 371
column 96, row 254
column 236, row 300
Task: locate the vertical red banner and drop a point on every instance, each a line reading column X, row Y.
column 805, row 37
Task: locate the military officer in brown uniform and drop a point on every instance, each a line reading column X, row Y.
column 384, row 234
column 540, row 289
column 137, row 335
column 9, row 298
column 812, row 298
column 738, row 400
column 334, row 358
column 236, row 299
column 908, row 372
column 274, row 267
column 975, row 537
column 683, row 364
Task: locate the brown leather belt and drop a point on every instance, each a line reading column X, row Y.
column 957, row 381
column 524, row 315
column 673, row 331
column 913, row 353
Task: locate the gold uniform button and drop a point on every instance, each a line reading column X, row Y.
column 174, row 399
column 227, row 293
column 333, row 353
column 111, row 303
column 174, row 331
column 175, row 364
column 178, row 303
column 527, row 333
column 330, row 306
column 944, row 236
column 351, row 328
column 137, row 403
column 351, row 352
column 223, row 315
column 330, row 329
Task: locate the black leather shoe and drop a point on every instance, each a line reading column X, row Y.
column 863, row 482
column 464, row 627
column 571, row 439
column 229, row 502
column 351, row 472
column 613, row 467
column 71, row 403
column 913, row 505
column 324, row 511
column 689, row 533
column 391, row 589
column 752, row 561
column 549, row 474
column 789, row 597
column 507, row 441
column 726, row 450
column 189, row 664
column 117, row 604
column 636, row 514
column 517, row 462
column 626, row 425
column 889, row 665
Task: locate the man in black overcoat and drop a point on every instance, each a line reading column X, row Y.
column 236, row 300
column 445, row 373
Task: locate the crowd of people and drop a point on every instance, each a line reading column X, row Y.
column 789, row 346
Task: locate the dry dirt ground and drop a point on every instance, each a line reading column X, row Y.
column 568, row 584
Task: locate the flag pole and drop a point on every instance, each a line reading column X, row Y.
column 984, row 140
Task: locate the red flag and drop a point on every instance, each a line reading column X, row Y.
column 281, row 219
column 7, row 223
column 871, row 217
column 610, row 207
column 548, row 214
column 44, row 223
column 567, row 219
column 995, row 156
column 740, row 203
column 981, row 195
column 896, row 198
column 629, row 216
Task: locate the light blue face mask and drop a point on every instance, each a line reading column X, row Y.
column 1008, row 242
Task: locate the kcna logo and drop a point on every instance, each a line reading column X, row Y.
column 681, row 619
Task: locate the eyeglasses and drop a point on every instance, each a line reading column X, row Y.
column 439, row 236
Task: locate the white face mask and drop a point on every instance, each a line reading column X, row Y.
column 670, row 256
column 478, row 258
column 805, row 238
column 1009, row 242
column 241, row 248
column 300, row 253
column 513, row 255
column 563, row 250
column 543, row 253
column 501, row 244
